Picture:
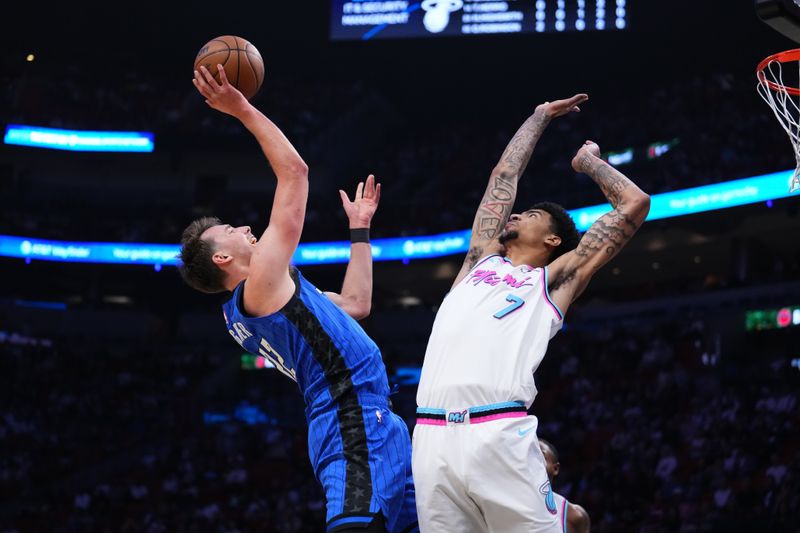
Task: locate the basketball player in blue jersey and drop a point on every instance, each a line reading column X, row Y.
column 572, row 517
column 476, row 459
column 360, row 450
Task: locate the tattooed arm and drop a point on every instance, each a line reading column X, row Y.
column 570, row 273
column 498, row 200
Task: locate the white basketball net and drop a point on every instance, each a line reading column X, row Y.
column 785, row 106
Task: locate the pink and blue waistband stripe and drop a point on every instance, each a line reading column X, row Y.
column 495, row 406
column 432, row 417
column 477, row 415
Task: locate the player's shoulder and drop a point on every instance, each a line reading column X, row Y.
column 560, row 499
column 301, row 282
column 305, row 289
column 578, row 517
column 232, row 302
column 498, row 260
column 501, row 259
column 578, row 509
column 490, row 258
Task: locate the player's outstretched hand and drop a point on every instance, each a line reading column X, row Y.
column 221, row 96
column 361, row 210
column 585, row 155
column 559, row 108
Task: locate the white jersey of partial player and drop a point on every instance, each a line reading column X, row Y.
column 561, row 510
column 490, row 334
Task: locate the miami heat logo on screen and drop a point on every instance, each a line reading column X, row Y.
column 437, row 13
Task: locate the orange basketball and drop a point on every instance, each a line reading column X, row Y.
column 242, row 62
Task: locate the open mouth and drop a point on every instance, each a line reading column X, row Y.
column 253, row 240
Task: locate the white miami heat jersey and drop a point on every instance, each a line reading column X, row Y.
column 561, row 510
column 490, row 334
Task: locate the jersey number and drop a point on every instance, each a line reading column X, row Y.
column 275, row 358
column 516, row 303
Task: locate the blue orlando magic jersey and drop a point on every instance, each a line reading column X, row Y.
column 360, row 450
column 313, row 342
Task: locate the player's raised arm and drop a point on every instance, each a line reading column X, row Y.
column 570, row 273
column 268, row 285
column 356, row 296
column 501, row 191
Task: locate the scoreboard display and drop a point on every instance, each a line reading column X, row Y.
column 390, row 19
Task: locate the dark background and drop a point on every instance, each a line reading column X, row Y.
column 667, row 414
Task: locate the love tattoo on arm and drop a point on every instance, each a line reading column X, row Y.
column 501, row 192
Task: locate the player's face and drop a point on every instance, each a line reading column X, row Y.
column 530, row 228
column 549, row 459
column 235, row 241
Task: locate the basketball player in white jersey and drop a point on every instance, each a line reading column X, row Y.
column 476, row 458
column 572, row 517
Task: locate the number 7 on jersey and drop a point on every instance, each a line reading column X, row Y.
column 516, row 303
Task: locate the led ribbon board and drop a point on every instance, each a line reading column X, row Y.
column 79, row 141
column 699, row 199
column 166, row 254
column 664, row 205
column 88, row 252
column 761, row 319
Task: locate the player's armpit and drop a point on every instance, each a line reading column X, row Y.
column 356, row 309
column 474, row 256
column 264, row 295
column 570, row 274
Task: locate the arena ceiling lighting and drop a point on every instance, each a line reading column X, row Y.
column 665, row 205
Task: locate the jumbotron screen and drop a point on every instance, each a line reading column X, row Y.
column 390, row 19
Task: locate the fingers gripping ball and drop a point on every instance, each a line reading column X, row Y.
column 242, row 62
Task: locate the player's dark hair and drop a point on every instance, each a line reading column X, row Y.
column 195, row 264
column 563, row 226
column 552, row 448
